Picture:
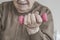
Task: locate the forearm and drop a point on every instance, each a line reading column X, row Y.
column 40, row 36
column 37, row 34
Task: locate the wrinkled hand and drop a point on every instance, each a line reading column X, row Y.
column 32, row 22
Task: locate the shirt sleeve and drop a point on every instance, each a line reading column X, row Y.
column 46, row 30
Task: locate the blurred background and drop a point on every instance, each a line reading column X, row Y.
column 54, row 6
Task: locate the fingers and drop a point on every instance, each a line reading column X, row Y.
column 29, row 18
column 38, row 17
column 25, row 20
column 33, row 19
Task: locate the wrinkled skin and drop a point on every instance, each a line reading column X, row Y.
column 23, row 5
column 33, row 20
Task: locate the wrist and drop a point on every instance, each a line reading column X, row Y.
column 32, row 30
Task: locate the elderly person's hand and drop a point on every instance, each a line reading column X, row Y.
column 32, row 22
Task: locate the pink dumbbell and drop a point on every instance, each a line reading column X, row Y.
column 44, row 17
column 21, row 19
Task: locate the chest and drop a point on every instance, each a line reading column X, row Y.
column 13, row 30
